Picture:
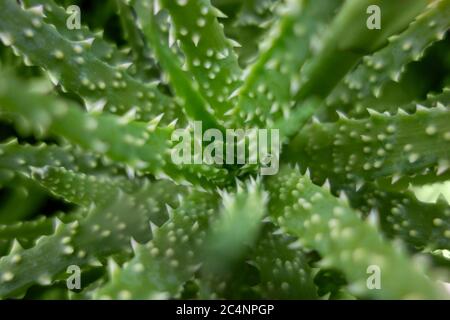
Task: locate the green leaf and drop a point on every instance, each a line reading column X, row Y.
column 340, row 49
column 354, row 151
column 142, row 146
column 401, row 215
column 330, row 226
column 85, row 190
column 29, row 231
column 186, row 89
column 144, row 64
column 72, row 65
column 267, row 92
column 19, row 157
column 161, row 267
column 390, row 62
column 105, row 231
column 57, row 16
column 237, row 227
column 288, row 276
column 249, row 25
column 22, row 198
column 209, row 54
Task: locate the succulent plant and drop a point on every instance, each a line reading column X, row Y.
column 88, row 179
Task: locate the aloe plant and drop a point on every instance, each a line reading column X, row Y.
column 88, row 119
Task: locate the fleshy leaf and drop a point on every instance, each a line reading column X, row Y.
column 267, row 92
column 103, row 232
column 144, row 147
column 209, row 54
column 394, row 146
column 330, row 226
column 390, row 62
column 71, row 64
column 161, row 267
column 186, row 89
